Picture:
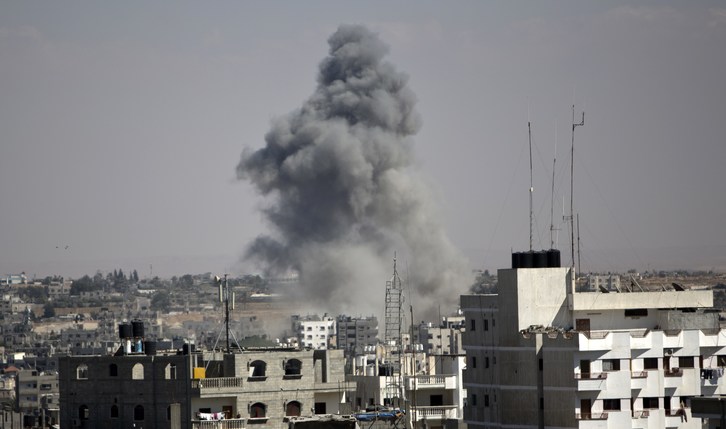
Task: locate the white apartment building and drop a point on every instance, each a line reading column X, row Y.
column 541, row 355
column 313, row 332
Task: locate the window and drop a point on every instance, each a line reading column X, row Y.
column 436, row 400
column 293, row 367
column 611, row 365
column 114, row 411
column 320, row 408
column 293, row 408
column 541, row 364
column 113, row 370
column 650, row 363
column 486, row 362
column 137, row 372
column 82, row 372
column 541, row 403
column 473, row 361
column 473, row 399
column 83, row 412
column 650, row 403
column 721, row 360
column 258, row 368
column 139, row 413
column 257, row 410
column 611, row 404
column 636, row 312
column 170, row 372
column 686, row 362
column 473, row 324
column 486, row 400
column 486, row 324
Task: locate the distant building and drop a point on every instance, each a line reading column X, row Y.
column 314, row 332
column 37, row 397
column 600, row 282
column 357, row 333
column 442, row 339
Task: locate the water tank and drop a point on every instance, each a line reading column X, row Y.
column 125, row 330
column 138, row 328
column 150, row 348
column 540, row 259
column 185, row 349
column 515, row 260
column 553, row 258
column 526, row 260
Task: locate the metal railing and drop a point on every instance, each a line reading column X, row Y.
column 591, row 375
column 591, row 416
column 641, row 414
column 435, row 412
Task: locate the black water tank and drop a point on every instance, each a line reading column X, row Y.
column 125, row 330
column 138, row 328
column 150, row 348
column 515, row 260
column 553, row 258
column 540, row 259
column 526, row 260
column 185, row 349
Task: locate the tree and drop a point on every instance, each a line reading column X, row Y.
column 48, row 310
column 135, row 276
column 161, row 301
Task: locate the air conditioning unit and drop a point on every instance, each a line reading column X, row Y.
column 668, row 352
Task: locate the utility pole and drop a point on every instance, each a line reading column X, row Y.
column 572, row 183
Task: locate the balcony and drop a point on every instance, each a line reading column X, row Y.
column 591, row 416
column 209, row 385
column 591, row 381
column 430, row 382
column 219, row 424
column 435, row 413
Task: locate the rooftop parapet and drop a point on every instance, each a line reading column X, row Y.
column 585, row 301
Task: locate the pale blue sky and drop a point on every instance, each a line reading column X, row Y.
column 121, row 124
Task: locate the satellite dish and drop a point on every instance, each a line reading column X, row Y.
column 603, row 289
column 678, row 287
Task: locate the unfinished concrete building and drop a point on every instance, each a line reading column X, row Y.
column 199, row 390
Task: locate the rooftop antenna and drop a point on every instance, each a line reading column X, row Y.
column 531, row 185
column 572, row 182
column 552, row 198
column 579, row 266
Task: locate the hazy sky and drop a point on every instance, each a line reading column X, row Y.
column 122, row 123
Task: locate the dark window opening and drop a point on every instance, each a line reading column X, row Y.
column 686, row 362
column 293, row 408
column 611, row 365
column 650, row 403
column 83, row 412
column 486, row 324
column 114, row 411
column 486, row 400
column 436, row 400
column 473, row 324
column 636, row 312
column 611, row 404
column 293, row 367
column 320, row 408
column 650, row 363
column 113, row 370
column 139, row 413
column 257, row 410
column 258, row 368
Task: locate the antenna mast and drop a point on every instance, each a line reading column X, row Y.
column 578, row 244
column 572, row 182
column 531, row 186
column 552, row 198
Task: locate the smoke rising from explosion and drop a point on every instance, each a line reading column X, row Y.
column 343, row 196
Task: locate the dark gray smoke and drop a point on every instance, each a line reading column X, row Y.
column 343, row 195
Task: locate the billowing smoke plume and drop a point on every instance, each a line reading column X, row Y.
column 343, row 196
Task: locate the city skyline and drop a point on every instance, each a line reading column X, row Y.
column 123, row 125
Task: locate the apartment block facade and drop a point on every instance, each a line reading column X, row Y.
column 540, row 354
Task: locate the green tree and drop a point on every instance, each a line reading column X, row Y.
column 48, row 310
column 161, row 301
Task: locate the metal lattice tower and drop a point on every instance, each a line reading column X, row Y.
column 394, row 314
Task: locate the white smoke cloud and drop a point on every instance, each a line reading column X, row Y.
column 343, row 196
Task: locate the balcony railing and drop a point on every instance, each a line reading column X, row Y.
column 591, row 375
column 217, row 383
column 591, row 416
column 440, row 412
column 219, row 424
column 641, row 414
column 673, row 372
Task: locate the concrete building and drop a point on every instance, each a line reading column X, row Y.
column 540, row 354
column 429, row 388
column 37, row 397
column 610, row 282
column 441, row 339
column 258, row 388
column 314, row 332
column 357, row 333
